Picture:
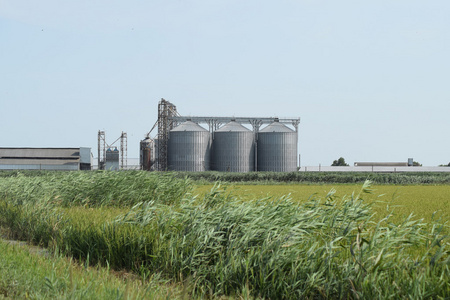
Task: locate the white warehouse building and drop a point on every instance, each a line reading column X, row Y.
column 66, row 159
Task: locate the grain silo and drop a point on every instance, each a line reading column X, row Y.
column 277, row 148
column 188, row 148
column 146, row 154
column 233, row 149
column 112, row 159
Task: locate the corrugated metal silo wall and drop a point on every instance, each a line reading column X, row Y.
column 112, row 160
column 277, row 151
column 189, row 151
column 233, row 151
column 146, row 155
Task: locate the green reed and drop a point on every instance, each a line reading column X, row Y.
column 218, row 244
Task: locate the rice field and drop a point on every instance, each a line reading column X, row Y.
column 423, row 201
column 258, row 241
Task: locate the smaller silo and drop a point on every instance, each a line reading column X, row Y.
column 112, row 159
column 277, row 148
column 233, row 149
column 146, row 155
column 188, row 148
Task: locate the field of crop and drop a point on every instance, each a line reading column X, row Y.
column 318, row 177
column 423, row 201
column 322, row 241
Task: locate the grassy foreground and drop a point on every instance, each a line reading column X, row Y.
column 220, row 244
column 27, row 275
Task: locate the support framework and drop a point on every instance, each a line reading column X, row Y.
column 166, row 111
column 123, row 150
column 101, row 150
column 215, row 123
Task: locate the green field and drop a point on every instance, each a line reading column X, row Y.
column 421, row 200
column 204, row 240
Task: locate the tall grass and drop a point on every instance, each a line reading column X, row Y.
column 94, row 189
column 324, row 249
column 26, row 275
column 272, row 248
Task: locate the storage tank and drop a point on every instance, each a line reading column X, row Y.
column 233, row 149
column 112, row 159
column 146, row 153
column 277, row 148
column 188, row 148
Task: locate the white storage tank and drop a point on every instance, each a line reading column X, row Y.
column 233, row 149
column 188, row 148
column 277, row 148
column 112, row 159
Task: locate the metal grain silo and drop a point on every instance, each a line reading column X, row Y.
column 146, row 157
column 277, row 148
column 112, row 159
column 188, row 148
column 233, row 149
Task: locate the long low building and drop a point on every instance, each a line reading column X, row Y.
column 381, row 164
column 67, row 159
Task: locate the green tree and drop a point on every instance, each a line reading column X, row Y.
column 339, row 162
column 416, row 164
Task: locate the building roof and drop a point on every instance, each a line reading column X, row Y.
column 34, row 153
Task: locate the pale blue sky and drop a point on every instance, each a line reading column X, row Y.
column 369, row 79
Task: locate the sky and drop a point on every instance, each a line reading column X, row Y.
column 369, row 79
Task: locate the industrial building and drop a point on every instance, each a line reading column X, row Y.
column 230, row 144
column 67, row 159
column 409, row 163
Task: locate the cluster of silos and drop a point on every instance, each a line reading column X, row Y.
column 232, row 148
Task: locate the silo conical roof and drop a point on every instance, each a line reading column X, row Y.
column 276, row 127
column 189, row 126
column 232, row 126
